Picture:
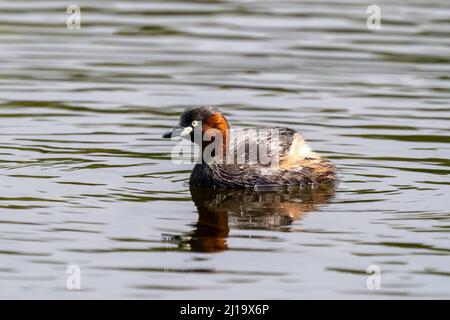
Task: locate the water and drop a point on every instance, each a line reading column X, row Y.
column 87, row 180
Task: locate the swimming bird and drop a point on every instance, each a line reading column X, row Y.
column 250, row 157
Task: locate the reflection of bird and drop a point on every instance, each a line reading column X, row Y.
column 249, row 157
column 247, row 209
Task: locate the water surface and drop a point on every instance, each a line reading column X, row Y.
column 87, row 180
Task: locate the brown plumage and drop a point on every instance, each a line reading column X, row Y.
column 236, row 160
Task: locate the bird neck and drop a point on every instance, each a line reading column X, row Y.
column 215, row 136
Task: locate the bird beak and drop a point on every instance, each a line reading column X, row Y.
column 177, row 132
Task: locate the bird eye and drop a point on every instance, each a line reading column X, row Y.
column 194, row 123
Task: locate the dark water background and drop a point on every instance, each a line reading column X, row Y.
column 87, row 180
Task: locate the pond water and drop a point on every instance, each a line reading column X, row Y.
column 87, row 180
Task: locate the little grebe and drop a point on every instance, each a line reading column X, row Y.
column 295, row 163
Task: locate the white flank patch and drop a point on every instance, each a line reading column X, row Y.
column 305, row 150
